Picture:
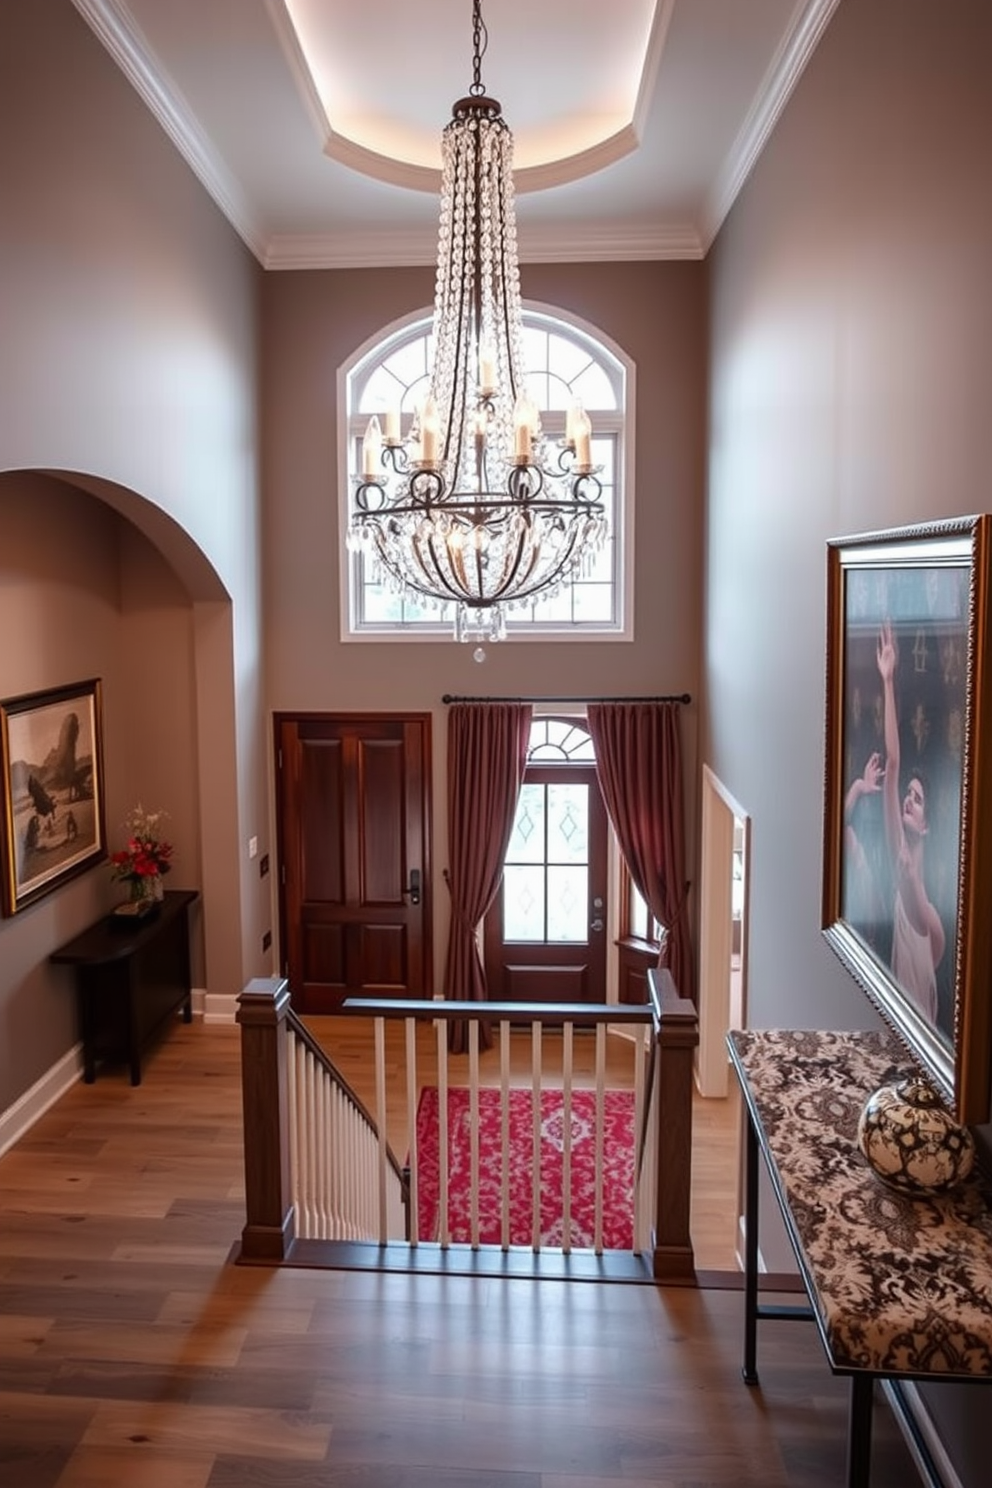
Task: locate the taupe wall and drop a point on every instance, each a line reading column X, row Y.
column 313, row 322
column 83, row 594
column 128, row 362
column 851, row 351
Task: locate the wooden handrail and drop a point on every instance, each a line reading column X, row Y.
column 582, row 1014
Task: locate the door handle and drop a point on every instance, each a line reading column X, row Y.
column 414, row 890
column 595, row 925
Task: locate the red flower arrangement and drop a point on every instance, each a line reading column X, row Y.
column 146, row 857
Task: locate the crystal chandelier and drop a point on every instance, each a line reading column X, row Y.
column 474, row 507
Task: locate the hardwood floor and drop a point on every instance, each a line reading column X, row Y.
column 133, row 1354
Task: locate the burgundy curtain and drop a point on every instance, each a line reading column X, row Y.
column 487, row 754
column 639, row 765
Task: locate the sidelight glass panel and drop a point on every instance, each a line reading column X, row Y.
column 523, row 902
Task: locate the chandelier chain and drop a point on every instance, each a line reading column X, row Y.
column 480, row 41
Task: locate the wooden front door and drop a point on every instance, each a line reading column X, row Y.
column 354, row 843
column 545, row 935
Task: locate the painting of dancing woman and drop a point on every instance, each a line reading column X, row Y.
column 918, row 937
column 904, row 701
column 907, row 849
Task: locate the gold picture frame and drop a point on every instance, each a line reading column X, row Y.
column 51, row 757
column 908, row 782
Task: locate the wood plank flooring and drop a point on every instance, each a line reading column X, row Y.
column 134, row 1355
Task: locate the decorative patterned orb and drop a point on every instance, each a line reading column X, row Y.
column 911, row 1140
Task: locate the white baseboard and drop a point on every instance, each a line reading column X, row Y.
column 740, row 1248
column 17, row 1120
column 921, row 1423
column 21, row 1116
column 215, row 1007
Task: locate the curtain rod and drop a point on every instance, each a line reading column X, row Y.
column 670, row 697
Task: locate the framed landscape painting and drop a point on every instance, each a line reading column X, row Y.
column 52, row 768
column 908, row 779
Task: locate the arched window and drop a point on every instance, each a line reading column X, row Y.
column 565, row 360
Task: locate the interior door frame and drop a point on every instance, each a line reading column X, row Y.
column 719, row 813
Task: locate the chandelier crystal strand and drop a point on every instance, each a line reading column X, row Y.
column 468, row 509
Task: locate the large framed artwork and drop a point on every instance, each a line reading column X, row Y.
column 908, row 780
column 53, row 811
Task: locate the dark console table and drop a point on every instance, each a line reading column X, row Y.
column 898, row 1286
column 130, row 977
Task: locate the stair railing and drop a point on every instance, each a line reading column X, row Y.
column 322, row 1169
column 284, row 1204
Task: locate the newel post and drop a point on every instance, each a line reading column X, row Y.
column 269, row 1231
column 678, row 1037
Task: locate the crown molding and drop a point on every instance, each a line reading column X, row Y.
column 112, row 24
column 351, row 250
column 116, row 29
column 616, row 243
column 809, row 21
column 559, row 244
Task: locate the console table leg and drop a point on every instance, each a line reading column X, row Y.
column 750, row 1370
column 859, row 1431
column 133, row 1039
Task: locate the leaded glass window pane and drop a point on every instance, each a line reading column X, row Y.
column 568, row 898
column 523, row 902
column 568, row 823
column 527, row 838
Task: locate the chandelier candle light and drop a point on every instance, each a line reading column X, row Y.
column 472, row 507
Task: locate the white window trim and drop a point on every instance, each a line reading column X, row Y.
column 537, row 632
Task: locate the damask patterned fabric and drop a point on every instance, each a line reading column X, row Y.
column 902, row 1285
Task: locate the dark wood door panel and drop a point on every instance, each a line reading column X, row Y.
column 382, row 767
column 384, row 960
column 353, row 796
column 321, row 824
column 545, row 983
column 322, row 978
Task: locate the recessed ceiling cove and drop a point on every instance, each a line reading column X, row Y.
column 574, row 78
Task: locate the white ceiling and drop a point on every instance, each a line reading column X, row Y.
column 316, row 124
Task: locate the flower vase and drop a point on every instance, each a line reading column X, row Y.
column 145, row 892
